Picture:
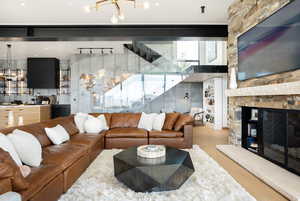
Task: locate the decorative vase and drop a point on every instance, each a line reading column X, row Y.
column 20, row 121
column 233, row 82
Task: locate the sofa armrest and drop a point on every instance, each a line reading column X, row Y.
column 5, row 185
column 188, row 135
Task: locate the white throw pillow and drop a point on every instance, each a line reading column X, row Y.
column 57, row 134
column 6, row 145
column 93, row 125
column 104, row 123
column 27, row 146
column 79, row 120
column 146, row 121
column 158, row 121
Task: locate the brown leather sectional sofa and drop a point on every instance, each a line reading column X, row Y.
column 123, row 132
column 63, row 164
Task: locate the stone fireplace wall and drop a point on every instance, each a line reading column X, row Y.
column 243, row 15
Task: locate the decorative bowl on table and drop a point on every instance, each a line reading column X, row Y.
column 151, row 151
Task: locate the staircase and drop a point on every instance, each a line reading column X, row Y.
column 143, row 51
column 156, row 76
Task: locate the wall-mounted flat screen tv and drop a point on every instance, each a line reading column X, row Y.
column 43, row 73
column 273, row 46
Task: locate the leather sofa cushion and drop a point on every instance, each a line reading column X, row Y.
column 165, row 134
column 63, row 155
column 182, row 120
column 9, row 169
column 70, row 127
column 88, row 140
column 177, row 142
column 5, row 186
column 170, row 120
column 106, row 115
column 38, row 178
column 125, row 120
column 36, row 129
column 126, row 133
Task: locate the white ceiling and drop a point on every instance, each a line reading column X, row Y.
column 73, row 12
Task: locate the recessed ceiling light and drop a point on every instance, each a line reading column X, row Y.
column 146, row 5
column 87, row 9
column 156, row 3
column 22, row 2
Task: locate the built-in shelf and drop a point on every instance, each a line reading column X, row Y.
column 289, row 88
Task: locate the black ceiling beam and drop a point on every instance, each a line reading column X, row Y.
column 111, row 32
column 207, row 69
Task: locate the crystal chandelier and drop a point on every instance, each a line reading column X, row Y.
column 119, row 15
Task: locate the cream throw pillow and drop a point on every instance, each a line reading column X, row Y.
column 95, row 125
column 158, row 121
column 57, row 134
column 146, row 121
column 104, row 123
column 27, row 146
column 7, row 145
column 79, row 120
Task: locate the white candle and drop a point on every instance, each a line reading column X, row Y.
column 20, row 121
column 10, row 119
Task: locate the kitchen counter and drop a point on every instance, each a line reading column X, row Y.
column 29, row 114
column 21, row 106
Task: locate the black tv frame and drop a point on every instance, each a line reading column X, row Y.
column 262, row 76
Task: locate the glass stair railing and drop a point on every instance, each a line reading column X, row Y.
column 154, row 78
column 138, row 90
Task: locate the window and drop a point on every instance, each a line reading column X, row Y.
column 211, row 51
column 187, row 50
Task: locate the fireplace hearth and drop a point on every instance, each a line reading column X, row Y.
column 273, row 134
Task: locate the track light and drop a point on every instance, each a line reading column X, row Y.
column 87, row 9
column 202, row 9
column 187, row 96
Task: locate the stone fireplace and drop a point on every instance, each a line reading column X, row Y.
column 243, row 15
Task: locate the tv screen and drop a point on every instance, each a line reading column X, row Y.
column 273, row 46
column 42, row 73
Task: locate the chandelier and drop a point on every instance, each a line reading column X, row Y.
column 119, row 14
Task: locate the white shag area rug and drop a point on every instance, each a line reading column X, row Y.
column 210, row 182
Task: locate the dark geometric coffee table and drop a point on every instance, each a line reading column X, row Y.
column 153, row 175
